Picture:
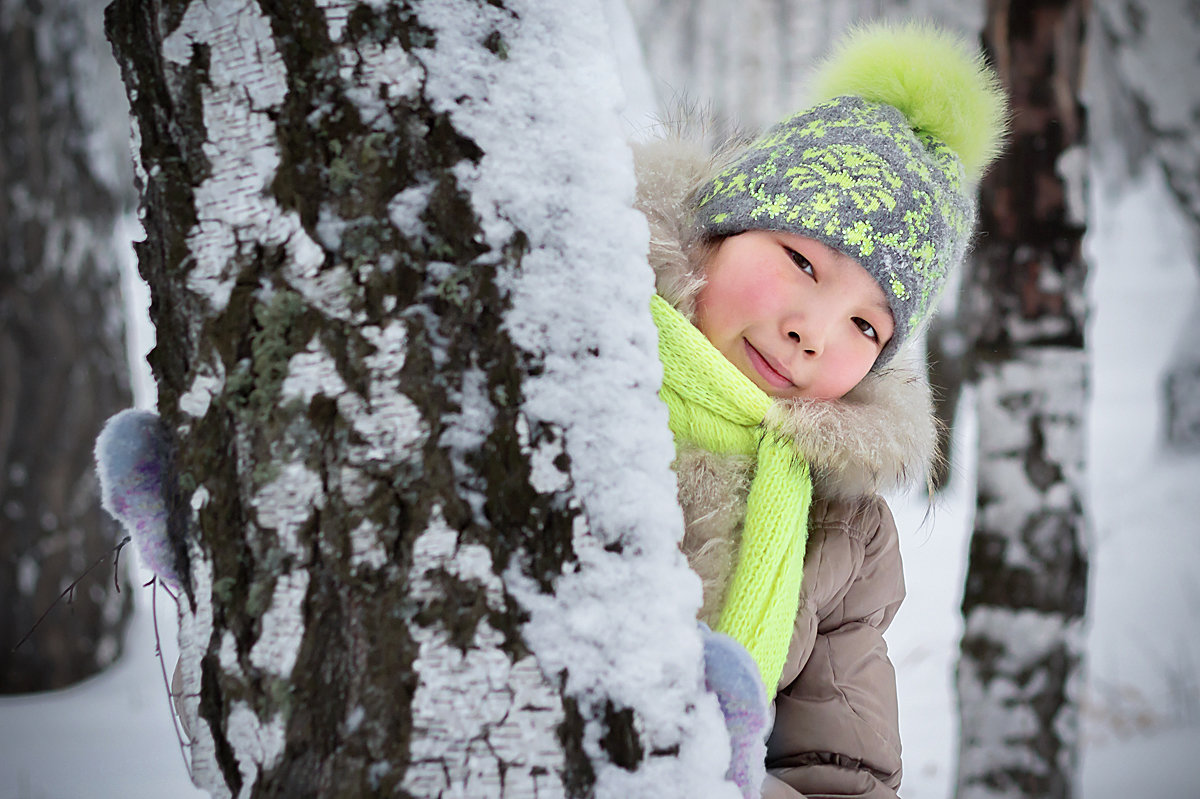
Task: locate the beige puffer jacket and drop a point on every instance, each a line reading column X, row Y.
column 836, row 730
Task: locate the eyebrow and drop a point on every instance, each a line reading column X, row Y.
column 884, row 308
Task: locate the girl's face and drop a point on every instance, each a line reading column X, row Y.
column 798, row 318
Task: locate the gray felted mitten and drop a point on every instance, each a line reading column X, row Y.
column 133, row 461
column 731, row 674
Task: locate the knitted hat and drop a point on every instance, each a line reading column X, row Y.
column 883, row 170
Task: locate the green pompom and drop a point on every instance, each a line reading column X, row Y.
column 939, row 82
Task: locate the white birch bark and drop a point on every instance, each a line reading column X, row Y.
column 401, row 302
column 1020, row 675
column 63, row 370
column 1025, row 310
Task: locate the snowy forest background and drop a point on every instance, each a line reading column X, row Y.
column 112, row 734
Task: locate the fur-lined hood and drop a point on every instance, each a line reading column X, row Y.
column 878, row 437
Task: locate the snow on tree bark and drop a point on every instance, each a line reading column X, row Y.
column 400, row 300
column 1019, row 675
column 62, row 358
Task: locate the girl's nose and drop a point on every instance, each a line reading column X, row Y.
column 809, row 340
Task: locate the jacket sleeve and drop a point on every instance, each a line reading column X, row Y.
column 836, row 729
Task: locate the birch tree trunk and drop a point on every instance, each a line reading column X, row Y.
column 403, row 339
column 63, row 368
column 1019, row 675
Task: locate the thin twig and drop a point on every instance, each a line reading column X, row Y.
column 117, row 566
column 155, row 583
column 70, row 589
column 170, row 593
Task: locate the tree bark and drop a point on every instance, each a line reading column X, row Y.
column 62, row 359
column 1019, row 675
column 400, row 298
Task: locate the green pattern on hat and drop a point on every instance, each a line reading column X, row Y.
column 857, row 173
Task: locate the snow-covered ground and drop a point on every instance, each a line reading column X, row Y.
column 108, row 737
column 112, row 736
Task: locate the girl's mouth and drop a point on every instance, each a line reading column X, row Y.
column 773, row 376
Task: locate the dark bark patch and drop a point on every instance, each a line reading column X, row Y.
column 276, row 340
column 983, row 652
column 496, row 44
column 621, row 740
column 579, row 778
column 458, row 608
column 212, row 710
column 1041, row 471
column 165, row 106
column 1026, row 782
column 258, row 598
column 539, row 526
column 1049, row 577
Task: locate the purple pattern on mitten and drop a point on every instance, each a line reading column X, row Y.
column 731, row 674
column 132, row 460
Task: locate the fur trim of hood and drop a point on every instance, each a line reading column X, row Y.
column 880, row 436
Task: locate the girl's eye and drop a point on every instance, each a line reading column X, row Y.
column 866, row 327
column 799, row 260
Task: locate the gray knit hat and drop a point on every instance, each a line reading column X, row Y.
column 883, row 171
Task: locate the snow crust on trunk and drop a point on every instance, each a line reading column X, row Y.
column 620, row 626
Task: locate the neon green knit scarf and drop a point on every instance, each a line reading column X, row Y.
column 716, row 407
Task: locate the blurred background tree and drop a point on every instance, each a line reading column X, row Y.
column 1024, row 313
column 65, row 186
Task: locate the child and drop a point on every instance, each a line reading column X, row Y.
column 787, row 281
